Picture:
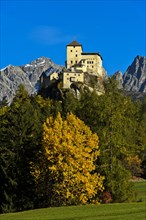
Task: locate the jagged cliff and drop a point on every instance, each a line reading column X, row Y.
column 134, row 79
column 28, row 75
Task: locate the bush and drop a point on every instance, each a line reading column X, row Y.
column 106, row 197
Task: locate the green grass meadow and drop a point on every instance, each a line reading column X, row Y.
column 140, row 191
column 125, row 211
column 118, row 211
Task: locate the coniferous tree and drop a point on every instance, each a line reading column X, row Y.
column 70, row 103
column 112, row 117
column 141, row 136
column 7, row 161
column 21, row 135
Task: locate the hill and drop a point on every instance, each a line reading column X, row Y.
column 126, row 211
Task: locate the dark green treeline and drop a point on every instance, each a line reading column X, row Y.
column 119, row 123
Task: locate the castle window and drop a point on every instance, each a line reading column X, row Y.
column 72, row 79
column 71, row 61
column 76, row 55
column 76, row 61
column 92, row 66
column 71, row 51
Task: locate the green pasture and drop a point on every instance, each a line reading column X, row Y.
column 140, row 191
column 125, row 211
column 119, row 211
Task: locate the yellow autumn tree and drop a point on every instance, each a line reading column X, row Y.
column 70, row 149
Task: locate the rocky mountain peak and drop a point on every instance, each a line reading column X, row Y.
column 134, row 78
column 28, row 75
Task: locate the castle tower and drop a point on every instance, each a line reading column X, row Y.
column 73, row 53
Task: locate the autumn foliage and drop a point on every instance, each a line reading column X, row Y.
column 71, row 150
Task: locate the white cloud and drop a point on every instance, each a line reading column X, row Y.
column 49, row 35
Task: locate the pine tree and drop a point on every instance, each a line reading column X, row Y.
column 141, row 135
column 21, row 135
column 7, row 160
column 112, row 116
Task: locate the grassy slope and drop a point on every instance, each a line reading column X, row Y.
column 127, row 211
column 122, row 211
column 140, row 189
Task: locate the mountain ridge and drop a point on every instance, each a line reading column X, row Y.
column 28, row 75
column 133, row 80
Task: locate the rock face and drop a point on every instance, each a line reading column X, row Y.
column 28, row 75
column 10, row 78
column 134, row 78
column 119, row 77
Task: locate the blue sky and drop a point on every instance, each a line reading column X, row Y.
column 30, row 29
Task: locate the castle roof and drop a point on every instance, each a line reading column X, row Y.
column 74, row 43
column 90, row 53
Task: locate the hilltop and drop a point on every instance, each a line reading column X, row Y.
column 82, row 69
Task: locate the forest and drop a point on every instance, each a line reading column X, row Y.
column 71, row 150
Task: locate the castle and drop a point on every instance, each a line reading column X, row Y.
column 77, row 63
column 87, row 62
